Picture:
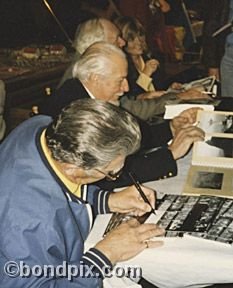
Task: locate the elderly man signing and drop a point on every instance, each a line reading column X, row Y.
column 48, row 206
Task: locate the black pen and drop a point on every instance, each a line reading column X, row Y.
column 142, row 194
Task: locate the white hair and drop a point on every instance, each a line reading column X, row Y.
column 87, row 33
column 97, row 59
column 91, row 133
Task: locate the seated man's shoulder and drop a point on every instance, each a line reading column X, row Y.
column 71, row 84
column 71, row 90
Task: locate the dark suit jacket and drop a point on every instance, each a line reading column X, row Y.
column 157, row 77
column 215, row 15
column 155, row 165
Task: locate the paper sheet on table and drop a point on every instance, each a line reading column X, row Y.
column 187, row 261
column 180, row 262
column 124, row 282
column 174, row 110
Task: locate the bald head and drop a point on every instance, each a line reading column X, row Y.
column 96, row 30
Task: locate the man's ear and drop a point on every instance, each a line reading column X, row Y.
column 71, row 170
column 68, row 169
column 94, row 78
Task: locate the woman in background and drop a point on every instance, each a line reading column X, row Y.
column 143, row 71
column 147, row 79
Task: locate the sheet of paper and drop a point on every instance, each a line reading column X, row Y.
column 186, row 262
column 180, row 262
column 174, row 110
column 216, row 150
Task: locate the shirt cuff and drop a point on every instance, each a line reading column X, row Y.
column 102, row 264
column 145, row 82
column 102, row 202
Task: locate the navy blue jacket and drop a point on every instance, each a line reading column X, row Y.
column 42, row 223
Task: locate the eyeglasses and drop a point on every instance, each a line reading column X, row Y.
column 111, row 175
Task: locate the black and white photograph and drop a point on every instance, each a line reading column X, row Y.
column 203, row 217
column 224, row 144
column 107, row 106
column 217, row 122
column 208, row 180
column 215, row 147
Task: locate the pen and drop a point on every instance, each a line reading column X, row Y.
column 208, row 93
column 142, row 194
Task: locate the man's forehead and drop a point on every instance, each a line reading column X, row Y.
column 117, row 72
column 119, row 63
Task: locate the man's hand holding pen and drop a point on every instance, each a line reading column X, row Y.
column 130, row 238
column 131, row 202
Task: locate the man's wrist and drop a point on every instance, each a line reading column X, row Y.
column 101, row 262
column 111, row 202
column 182, row 95
column 174, row 155
column 173, row 130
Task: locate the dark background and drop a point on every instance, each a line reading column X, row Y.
column 25, row 22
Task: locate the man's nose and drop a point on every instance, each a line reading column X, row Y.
column 125, row 85
column 120, row 42
column 137, row 41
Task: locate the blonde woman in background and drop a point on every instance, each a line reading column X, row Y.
column 145, row 76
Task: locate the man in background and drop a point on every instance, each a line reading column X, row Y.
column 96, row 75
column 218, row 49
column 100, row 29
column 89, row 32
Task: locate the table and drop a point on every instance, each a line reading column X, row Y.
column 180, row 262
